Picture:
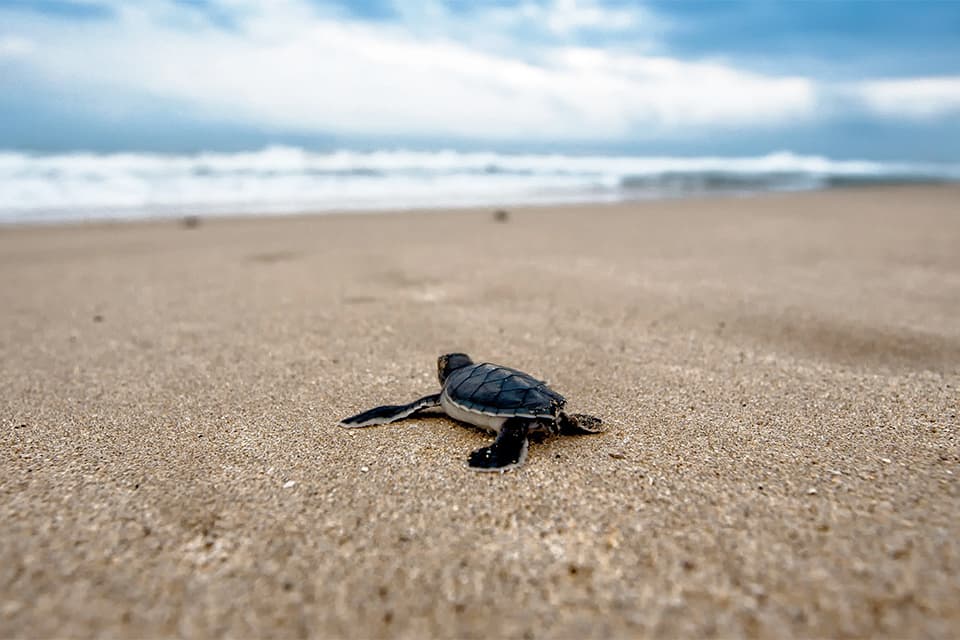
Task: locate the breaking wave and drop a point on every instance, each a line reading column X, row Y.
column 88, row 186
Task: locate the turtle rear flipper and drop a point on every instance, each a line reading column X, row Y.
column 391, row 412
column 577, row 424
column 507, row 452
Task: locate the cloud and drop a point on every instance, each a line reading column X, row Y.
column 12, row 46
column 564, row 17
column 915, row 98
column 559, row 18
column 285, row 65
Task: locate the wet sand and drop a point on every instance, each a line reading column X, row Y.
column 779, row 375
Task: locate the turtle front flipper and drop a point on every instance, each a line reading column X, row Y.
column 578, row 424
column 391, row 412
column 507, row 452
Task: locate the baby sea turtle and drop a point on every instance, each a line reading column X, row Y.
column 508, row 402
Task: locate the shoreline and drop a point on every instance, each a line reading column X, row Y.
column 707, row 197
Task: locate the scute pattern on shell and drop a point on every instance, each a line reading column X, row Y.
column 497, row 390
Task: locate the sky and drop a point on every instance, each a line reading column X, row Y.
column 875, row 80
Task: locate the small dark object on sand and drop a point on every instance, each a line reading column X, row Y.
column 98, row 318
column 190, row 222
column 501, row 215
column 510, row 403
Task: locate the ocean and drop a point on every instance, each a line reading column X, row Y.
column 42, row 188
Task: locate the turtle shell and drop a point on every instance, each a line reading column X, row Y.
column 502, row 391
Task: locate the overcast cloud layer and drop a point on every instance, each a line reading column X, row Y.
column 554, row 73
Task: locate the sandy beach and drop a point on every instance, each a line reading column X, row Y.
column 779, row 375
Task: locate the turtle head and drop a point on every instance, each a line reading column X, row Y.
column 449, row 363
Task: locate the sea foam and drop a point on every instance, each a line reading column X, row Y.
column 85, row 186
